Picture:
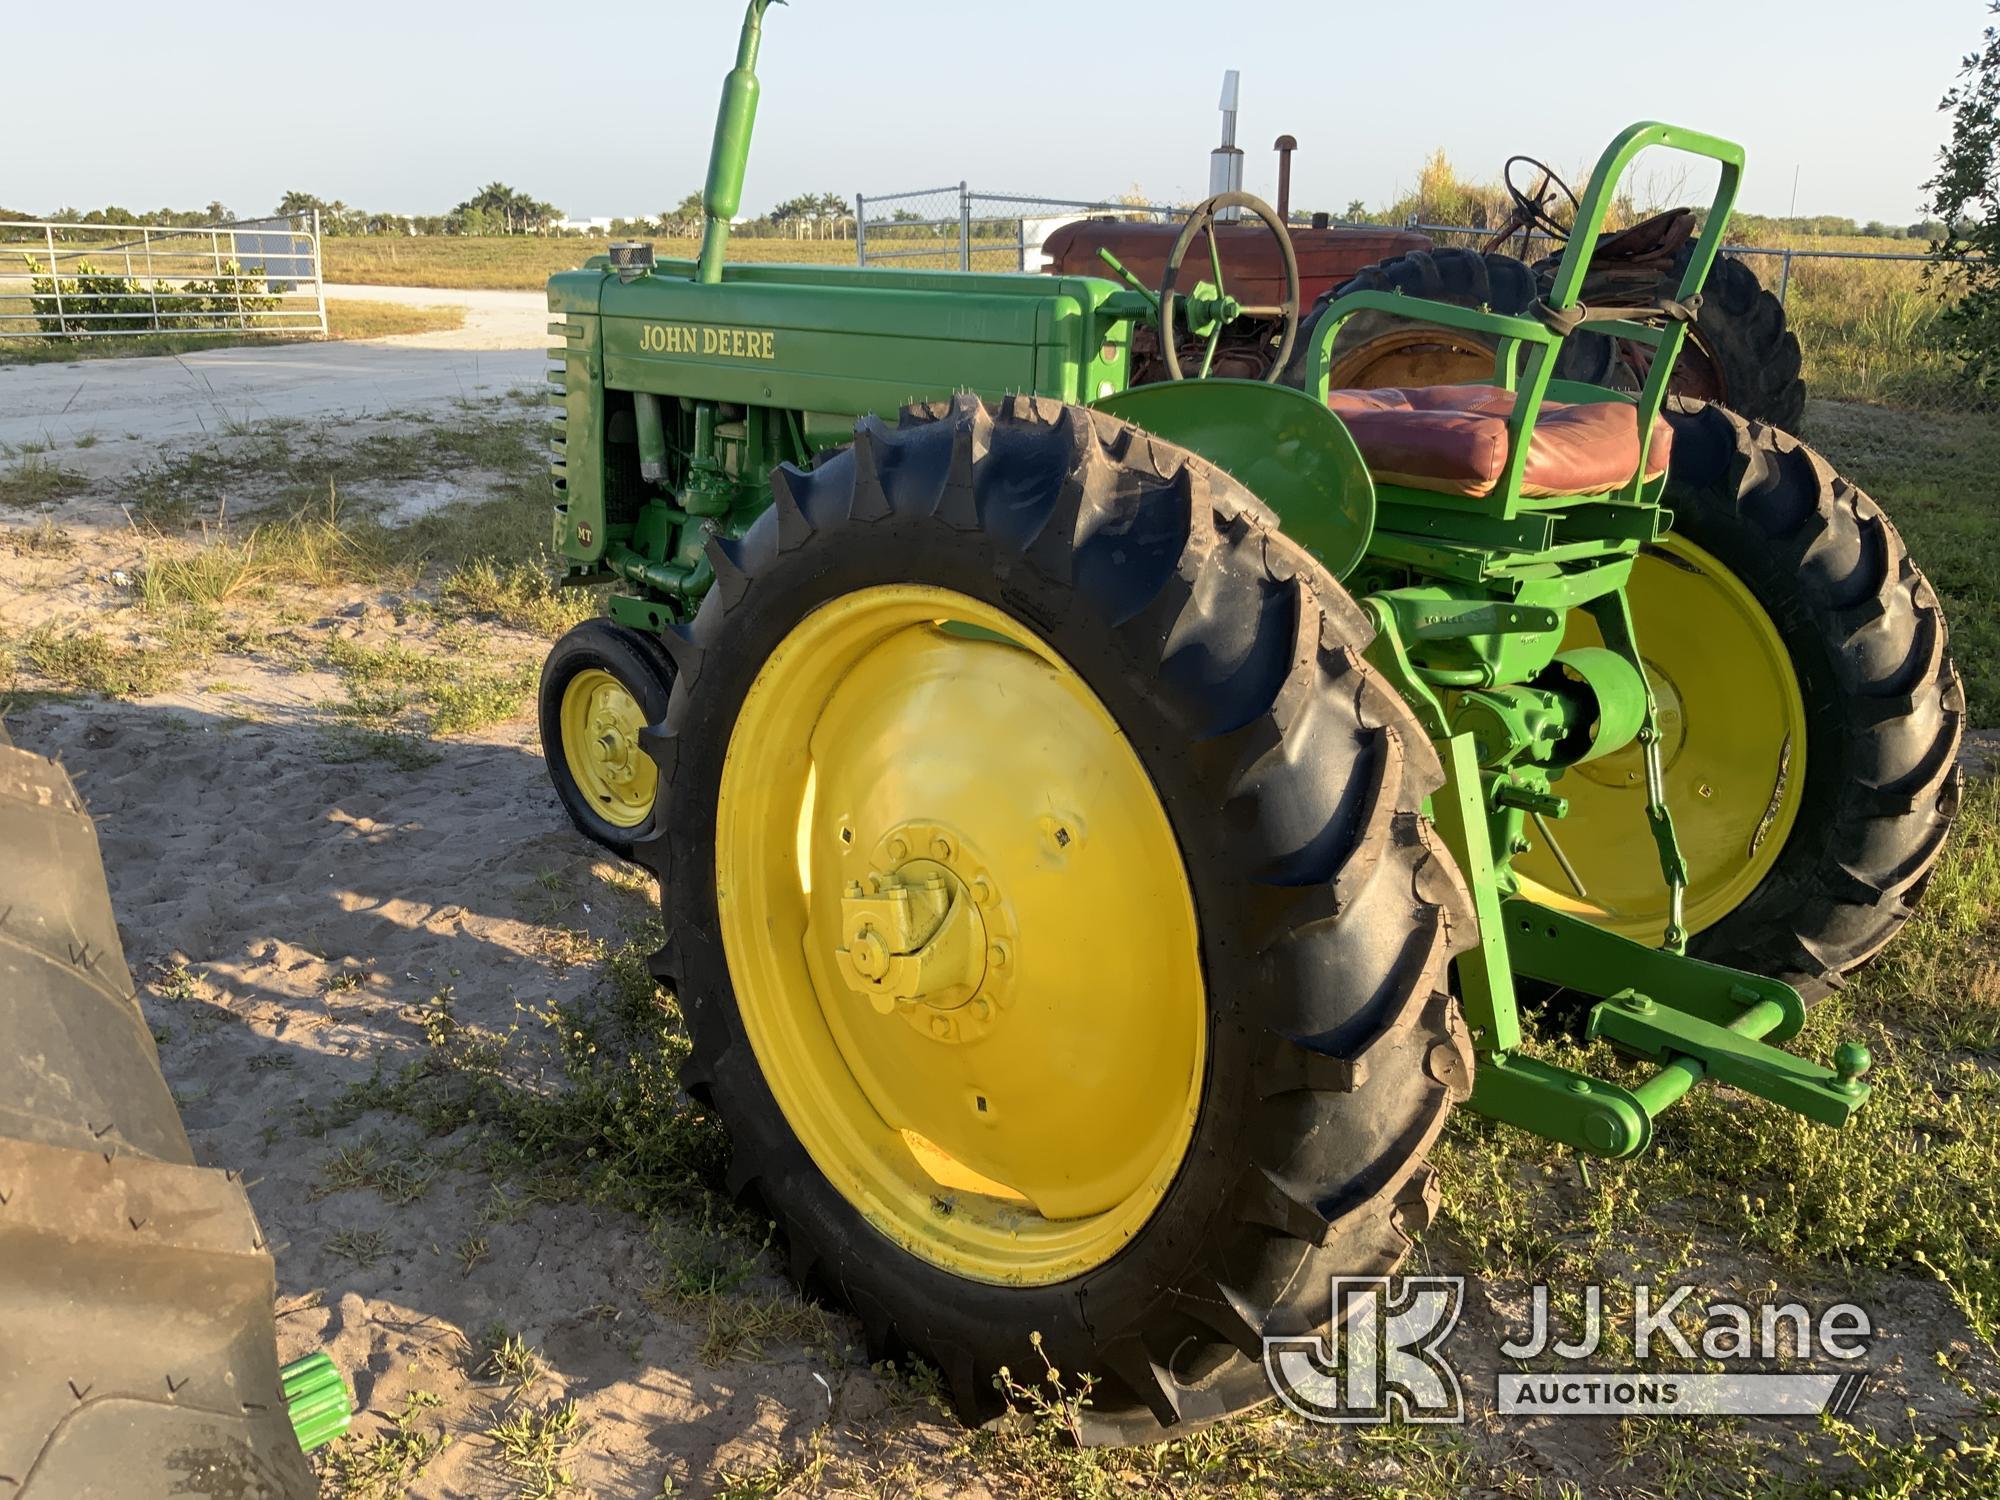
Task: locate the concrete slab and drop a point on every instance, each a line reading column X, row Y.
column 150, row 400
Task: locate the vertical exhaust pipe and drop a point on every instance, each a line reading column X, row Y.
column 1285, row 146
column 722, row 194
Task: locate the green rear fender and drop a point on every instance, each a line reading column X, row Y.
column 1288, row 449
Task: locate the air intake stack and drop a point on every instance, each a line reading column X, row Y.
column 1225, row 162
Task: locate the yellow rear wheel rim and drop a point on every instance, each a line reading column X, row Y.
column 1018, row 1110
column 601, row 721
column 1733, row 727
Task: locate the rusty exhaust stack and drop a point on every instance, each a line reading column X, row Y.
column 1285, row 146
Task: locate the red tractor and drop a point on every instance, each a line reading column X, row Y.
column 1739, row 351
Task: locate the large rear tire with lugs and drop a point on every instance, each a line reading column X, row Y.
column 1375, row 350
column 1810, row 714
column 1056, row 926
column 1740, row 352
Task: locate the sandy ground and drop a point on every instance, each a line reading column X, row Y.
column 291, row 920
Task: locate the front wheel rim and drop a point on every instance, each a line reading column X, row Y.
column 600, row 722
column 960, row 934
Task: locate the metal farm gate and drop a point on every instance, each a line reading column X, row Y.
column 79, row 281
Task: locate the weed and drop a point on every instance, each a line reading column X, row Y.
column 386, row 1466
column 472, row 1250
column 212, row 573
column 394, row 686
column 344, row 745
column 435, row 1016
column 362, row 1246
column 180, row 983
column 510, row 1361
column 532, row 1442
column 520, row 594
column 44, row 539
column 784, row 1476
column 399, row 1177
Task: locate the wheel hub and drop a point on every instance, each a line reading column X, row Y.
column 1731, row 713
column 601, row 721
column 1626, row 767
column 930, row 940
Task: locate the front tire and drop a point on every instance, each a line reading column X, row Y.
column 1324, row 913
column 601, row 684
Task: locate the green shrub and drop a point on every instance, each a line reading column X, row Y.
column 94, row 301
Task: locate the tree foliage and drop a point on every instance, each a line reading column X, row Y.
column 1965, row 196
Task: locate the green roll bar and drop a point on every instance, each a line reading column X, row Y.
column 1561, row 314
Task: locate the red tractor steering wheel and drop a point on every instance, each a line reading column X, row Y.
column 1223, row 309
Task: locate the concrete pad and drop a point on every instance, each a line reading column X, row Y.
column 147, row 401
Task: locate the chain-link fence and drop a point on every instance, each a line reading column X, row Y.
column 956, row 229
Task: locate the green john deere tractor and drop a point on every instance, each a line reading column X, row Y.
column 1104, row 829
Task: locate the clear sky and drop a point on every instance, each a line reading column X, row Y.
column 606, row 109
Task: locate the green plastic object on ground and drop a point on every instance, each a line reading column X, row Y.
column 316, row 1400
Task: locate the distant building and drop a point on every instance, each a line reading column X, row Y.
column 584, row 226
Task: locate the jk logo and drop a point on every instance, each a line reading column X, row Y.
column 1384, row 1362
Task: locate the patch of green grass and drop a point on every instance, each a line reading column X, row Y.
column 393, row 686
column 522, row 594
column 802, row 1475
column 71, row 655
column 388, row 1465
column 1923, row 1466
column 704, row 1277
column 401, row 1177
column 214, row 573
column 36, row 480
column 345, row 745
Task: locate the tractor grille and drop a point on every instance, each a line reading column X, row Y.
column 572, row 335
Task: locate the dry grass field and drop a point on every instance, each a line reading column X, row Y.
column 524, row 262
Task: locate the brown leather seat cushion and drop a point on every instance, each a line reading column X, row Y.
column 1453, row 439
